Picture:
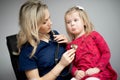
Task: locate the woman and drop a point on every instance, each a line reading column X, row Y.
column 37, row 45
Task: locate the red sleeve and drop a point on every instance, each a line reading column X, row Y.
column 73, row 70
column 104, row 50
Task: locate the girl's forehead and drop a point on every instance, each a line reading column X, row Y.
column 72, row 14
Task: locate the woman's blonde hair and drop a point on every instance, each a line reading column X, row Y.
column 31, row 14
column 88, row 26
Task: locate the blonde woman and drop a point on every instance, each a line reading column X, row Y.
column 38, row 44
column 92, row 57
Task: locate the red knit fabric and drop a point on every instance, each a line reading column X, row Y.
column 93, row 51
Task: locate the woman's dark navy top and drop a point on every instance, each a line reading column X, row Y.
column 44, row 57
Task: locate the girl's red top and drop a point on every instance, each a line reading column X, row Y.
column 93, row 51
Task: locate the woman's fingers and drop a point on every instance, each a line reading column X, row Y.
column 67, row 57
column 60, row 38
column 70, row 55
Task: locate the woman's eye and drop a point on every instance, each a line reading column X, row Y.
column 44, row 22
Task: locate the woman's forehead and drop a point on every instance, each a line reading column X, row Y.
column 47, row 14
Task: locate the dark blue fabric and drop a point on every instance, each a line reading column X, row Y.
column 43, row 58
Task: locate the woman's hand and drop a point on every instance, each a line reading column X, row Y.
column 61, row 38
column 67, row 57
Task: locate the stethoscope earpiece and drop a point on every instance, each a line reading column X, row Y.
column 74, row 46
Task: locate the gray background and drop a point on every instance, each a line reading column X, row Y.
column 105, row 15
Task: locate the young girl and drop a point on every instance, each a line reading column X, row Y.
column 92, row 54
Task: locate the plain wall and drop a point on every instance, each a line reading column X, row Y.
column 105, row 15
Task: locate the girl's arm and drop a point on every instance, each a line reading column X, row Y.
column 104, row 50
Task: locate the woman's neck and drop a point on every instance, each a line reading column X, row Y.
column 44, row 37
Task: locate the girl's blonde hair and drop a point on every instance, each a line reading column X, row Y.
column 31, row 14
column 83, row 15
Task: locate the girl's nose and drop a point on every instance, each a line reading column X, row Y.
column 72, row 23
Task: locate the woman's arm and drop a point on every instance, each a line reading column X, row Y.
column 34, row 74
column 66, row 59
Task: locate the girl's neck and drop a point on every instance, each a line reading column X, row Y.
column 79, row 35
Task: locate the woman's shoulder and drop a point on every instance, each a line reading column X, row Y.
column 26, row 48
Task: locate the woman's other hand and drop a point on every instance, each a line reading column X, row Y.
column 61, row 38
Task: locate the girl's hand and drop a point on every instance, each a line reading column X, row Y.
column 67, row 57
column 92, row 71
column 79, row 74
column 61, row 38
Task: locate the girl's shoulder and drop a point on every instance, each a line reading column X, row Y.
column 95, row 34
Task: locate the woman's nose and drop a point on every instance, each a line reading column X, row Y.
column 50, row 22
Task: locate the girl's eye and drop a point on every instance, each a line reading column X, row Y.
column 68, row 22
column 75, row 20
